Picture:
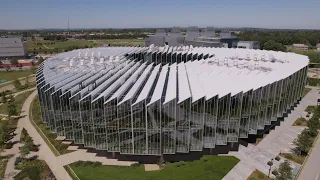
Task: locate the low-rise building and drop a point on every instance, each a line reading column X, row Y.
column 318, row 47
column 194, row 37
column 248, row 45
column 299, row 47
column 13, row 47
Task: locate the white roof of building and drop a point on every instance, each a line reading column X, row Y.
column 157, row 94
column 183, row 83
column 147, row 87
column 226, row 71
column 171, row 92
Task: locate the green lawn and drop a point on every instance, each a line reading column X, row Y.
column 57, row 44
column 57, row 147
column 208, row 167
column 12, row 75
column 3, row 166
column 294, row 157
column 306, row 91
column 121, row 42
column 312, row 54
column 60, row 46
column 257, row 175
column 19, row 100
column 310, row 109
column 300, row 122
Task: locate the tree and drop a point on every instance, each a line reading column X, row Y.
column 17, row 84
column 3, row 97
column 303, row 142
column 4, row 129
column 273, row 45
column 24, row 151
column 284, row 171
column 27, row 147
column 12, row 109
column 14, row 61
column 40, row 60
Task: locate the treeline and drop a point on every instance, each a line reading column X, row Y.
column 55, row 38
column 307, row 37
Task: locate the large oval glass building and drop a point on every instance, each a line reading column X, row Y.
column 166, row 100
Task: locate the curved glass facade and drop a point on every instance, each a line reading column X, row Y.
column 164, row 100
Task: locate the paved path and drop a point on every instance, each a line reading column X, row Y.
column 44, row 151
column 311, row 170
column 256, row 157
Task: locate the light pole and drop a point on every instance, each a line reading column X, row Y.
column 270, row 163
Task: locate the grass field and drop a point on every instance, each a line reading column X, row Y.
column 3, row 166
column 12, row 75
column 208, row 167
column 52, row 46
column 300, row 122
column 257, row 175
column 121, row 42
column 57, row 147
column 57, row 44
column 294, row 157
column 19, row 100
column 312, row 54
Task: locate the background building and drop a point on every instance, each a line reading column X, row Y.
column 299, row 47
column 206, row 38
column 13, row 47
column 318, row 47
column 174, row 102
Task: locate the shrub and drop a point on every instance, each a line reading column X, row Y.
column 288, row 156
column 135, row 165
column 180, row 163
column 298, row 123
column 204, row 159
column 261, row 176
column 87, row 163
column 275, row 172
column 78, row 163
column 277, row 158
column 8, row 145
column 97, row 164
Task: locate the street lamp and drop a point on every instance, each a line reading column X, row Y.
column 270, row 163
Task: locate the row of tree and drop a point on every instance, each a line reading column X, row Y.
column 306, row 138
column 284, row 37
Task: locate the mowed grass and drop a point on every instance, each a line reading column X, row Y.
column 57, row 44
column 62, row 45
column 121, row 42
column 207, row 168
column 12, row 75
column 257, row 175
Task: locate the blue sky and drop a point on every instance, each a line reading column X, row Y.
column 21, row 14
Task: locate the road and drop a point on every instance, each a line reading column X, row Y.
column 311, row 170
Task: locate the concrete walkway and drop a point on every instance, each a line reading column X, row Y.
column 44, row 151
column 56, row 163
column 278, row 140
